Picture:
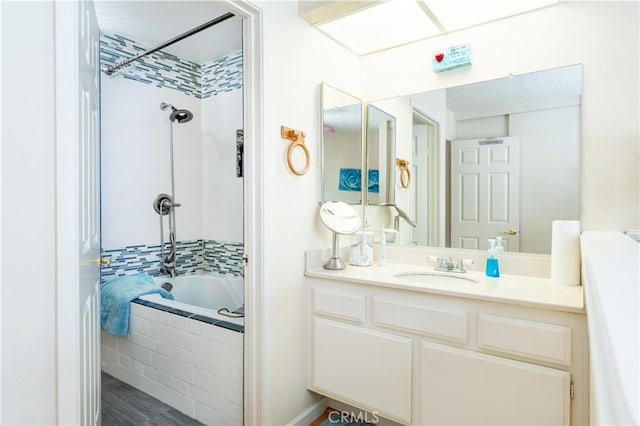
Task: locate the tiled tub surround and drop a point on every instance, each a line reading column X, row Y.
column 224, row 258
column 192, row 365
column 166, row 70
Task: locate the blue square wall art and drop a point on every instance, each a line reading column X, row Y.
column 373, row 184
column 350, row 180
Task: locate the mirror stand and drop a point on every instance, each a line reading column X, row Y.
column 335, row 263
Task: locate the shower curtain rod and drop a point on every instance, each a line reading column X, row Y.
column 221, row 18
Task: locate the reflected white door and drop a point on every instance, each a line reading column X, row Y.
column 420, row 188
column 485, row 203
column 78, row 214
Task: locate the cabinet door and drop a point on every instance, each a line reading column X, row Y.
column 362, row 367
column 464, row 387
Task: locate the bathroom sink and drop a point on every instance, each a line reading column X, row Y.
column 433, row 278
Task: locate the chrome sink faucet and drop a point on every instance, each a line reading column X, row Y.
column 450, row 265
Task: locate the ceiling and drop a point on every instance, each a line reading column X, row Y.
column 151, row 23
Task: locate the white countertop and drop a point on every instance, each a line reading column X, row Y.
column 521, row 290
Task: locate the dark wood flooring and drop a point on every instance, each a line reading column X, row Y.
column 124, row 405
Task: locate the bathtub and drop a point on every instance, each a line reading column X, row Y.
column 182, row 351
column 202, row 295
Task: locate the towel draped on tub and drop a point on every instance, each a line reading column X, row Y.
column 115, row 296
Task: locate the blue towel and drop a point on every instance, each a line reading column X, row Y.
column 115, row 296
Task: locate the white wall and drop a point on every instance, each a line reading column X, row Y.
column 28, row 223
column 565, row 34
column 222, row 196
column 548, row 180
column 486, row 127
column 136, row 164
column 296, row 59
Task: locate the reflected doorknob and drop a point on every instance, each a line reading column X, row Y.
column 511, row 231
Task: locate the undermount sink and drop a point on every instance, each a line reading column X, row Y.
column 433, row 278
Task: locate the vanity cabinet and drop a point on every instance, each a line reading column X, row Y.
column 430, row 359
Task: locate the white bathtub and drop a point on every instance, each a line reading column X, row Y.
column 182, row 351
column 203, row 294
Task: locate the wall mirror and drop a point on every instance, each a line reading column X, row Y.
column 342, row 142
column 499, row 157
column 380, row 149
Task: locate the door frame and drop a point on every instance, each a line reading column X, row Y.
column 255, row 404
column 255, row 396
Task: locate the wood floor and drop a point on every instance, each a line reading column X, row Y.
column 124, row 405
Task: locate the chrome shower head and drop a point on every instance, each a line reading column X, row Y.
column 179, row 115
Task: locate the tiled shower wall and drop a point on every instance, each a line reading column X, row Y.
column 210, row 219
column 163, row 69
column 223, row 258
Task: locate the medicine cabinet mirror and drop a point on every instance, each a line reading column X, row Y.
column 342, row 143
column 499, row 157
column 380, row 153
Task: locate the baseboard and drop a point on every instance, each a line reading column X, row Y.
column 310, row 414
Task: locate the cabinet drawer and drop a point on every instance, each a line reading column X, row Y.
column 426, row 320
column 335, row 304
column 536, row 340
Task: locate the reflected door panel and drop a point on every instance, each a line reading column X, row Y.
column 485, row 176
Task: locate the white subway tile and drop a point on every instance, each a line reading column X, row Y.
column 163, row 348
column 197, row 361
column 210, row 416
column 199, row 394
column 172, row 367
column 163, row 378
column 217, row 368
column 231, row 392
column 208, row 381
column 180, row 354
column 197, row 327
column 162, row 317
column 175, row 337
column 108, row 339
column 149, row 372
column 177, row 400
column 109, row 356
column 141, row 340
column 124, row 361
column 134, row 351
column 181, row 322
column 140, row 325
column 215, row 333
column 137, row 366
column 234, row 375
column 234, row 338
column 142, row 311
column 234, row 410
column 180, row 386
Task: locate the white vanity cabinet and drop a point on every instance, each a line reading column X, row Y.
column 430, row 359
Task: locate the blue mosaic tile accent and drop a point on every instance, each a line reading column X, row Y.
column 191, row 256
column 159, row 68
column 222, row 75
column 223, row 258
column 163, row 69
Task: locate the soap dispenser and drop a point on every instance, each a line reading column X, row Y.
column 362, row 252
column 382, row 261
column 492, row 269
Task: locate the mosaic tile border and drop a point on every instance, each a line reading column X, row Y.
column 169, row 71
column 224, row 258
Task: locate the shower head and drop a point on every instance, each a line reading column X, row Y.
column 179, row 115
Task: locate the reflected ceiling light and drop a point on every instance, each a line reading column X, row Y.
column 381, row 26
column 371, row 26
column 458, row 14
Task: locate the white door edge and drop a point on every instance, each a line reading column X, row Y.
column 256, row 397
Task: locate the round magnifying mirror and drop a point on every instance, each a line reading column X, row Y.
column 341, row 218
